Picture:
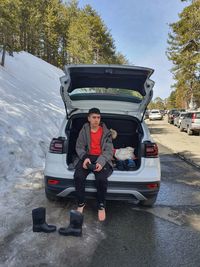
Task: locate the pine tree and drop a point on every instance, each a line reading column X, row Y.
column 57, row 31
column 90, row 40
column 9, row 27
column 184, row 52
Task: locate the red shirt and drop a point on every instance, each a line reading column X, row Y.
column 95, row 141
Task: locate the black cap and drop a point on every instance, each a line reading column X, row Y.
column 94, row 110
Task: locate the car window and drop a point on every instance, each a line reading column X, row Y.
column 197, row 115
column 155, row 111
column 107, row 91
column 187, row 115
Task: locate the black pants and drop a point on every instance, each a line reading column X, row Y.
column 101, row 181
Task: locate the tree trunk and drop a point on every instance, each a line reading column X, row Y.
column 3, row 56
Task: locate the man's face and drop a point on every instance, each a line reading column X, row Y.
column 94, row 119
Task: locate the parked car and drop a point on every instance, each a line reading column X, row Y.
column 178, row 119
column 162, row 111
column 102, row 86
column 191, row 122
column 172, row 114
column 155, row 115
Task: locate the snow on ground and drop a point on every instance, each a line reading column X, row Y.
column 31, row 111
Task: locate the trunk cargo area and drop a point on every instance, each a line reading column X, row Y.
column 129, row 133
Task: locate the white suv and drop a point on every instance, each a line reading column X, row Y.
column 155, row 114
column 191, row 122
column 122, row 94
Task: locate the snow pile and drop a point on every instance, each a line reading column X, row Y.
column 31, row 112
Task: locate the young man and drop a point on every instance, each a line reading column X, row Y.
column 94, row 145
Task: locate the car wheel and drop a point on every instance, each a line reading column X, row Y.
column 51, row 197
column 181, row 128
column 149, row 202
column 189, row 132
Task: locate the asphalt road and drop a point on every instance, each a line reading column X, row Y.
column 186, row 146
column 166, row 235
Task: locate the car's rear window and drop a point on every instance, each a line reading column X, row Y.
column 173, row 112
column 197, row 115
column 155, row 111
column 107, row 91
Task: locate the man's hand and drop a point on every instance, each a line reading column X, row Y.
column 98, row 167
column 86, row 161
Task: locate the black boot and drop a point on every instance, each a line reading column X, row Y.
column 39, row 221
column 75, row 226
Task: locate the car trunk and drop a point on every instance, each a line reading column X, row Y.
column 129, row 133
column 128, row 87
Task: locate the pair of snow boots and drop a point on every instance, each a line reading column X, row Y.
column 40, row 224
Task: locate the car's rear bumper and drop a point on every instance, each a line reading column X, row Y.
column 155, row 118
column 115, row 190
column 195, row 127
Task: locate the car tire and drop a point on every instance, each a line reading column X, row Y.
column 181, row 128
column 51, row 197
column 189, row 132
column 149, row 202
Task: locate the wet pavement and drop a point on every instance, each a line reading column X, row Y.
column 167, row 234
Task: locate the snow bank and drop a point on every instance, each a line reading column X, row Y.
column 31, row 111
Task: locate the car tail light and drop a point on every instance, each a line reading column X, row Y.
column 152, row 186
column 53, row 181
column 193, row 117
column 151, row 150
column 57, row 145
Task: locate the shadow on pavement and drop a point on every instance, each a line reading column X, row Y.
column 158, row 130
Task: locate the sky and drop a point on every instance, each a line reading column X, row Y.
column 140, row 30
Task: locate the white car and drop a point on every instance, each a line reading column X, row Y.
column 122, row 94
column 178, row 119
column 155, row 115
column 191, row 122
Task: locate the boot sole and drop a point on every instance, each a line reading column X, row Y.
column 36, row 230
column 70, row 234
